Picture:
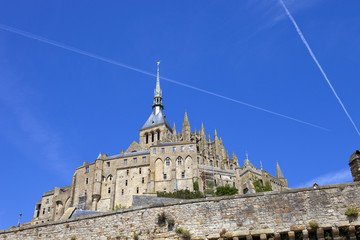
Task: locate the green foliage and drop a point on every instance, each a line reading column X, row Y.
column 259, row 186
column 185, row 234
column 161, row 219
column 352, row 212
column 67, row 225
column 210, row 191
column 313, row 224
column 117, row 207
column 136, row 236
column 196, row 186
column 226, row 191
column 73, row 238
column 182, row 194
column 171, row 223
column 210, row 184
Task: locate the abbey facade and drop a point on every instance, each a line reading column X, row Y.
column 162, row 160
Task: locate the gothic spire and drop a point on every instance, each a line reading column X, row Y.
column 157, row 93
column 279, row 174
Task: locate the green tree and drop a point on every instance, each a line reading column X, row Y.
column 259, row 186
column 226, row 191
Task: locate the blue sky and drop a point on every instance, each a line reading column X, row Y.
column 59, row 108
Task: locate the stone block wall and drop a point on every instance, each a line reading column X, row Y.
column 279, row 215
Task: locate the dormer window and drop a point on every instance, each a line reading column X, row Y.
column 87, row 169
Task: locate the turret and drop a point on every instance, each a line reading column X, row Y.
column 354, row 164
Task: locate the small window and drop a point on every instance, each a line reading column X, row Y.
column 137, row 190
column 142, row 180
column 122, row 191
column 144, row 159
column 182, row 148
column 211, row 163
column 125, row 182
column 127, row 172
column 162, row 150
column 134, row 160
column 215, row 183
column 164, row 176
column 231, row 166
column 183, row 175
column 139, row 170
column 109, row 190
column 87, row 181
column 43, row 210
column 125, row 162
column 48, row 209
column 191, row 147
column 47, row 201
column 87, row 169
column 167, row 162
column 179, row 161
column 154, row 150
column 174, row 149
column 108, row 164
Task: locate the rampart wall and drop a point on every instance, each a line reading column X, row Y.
column 284, row 215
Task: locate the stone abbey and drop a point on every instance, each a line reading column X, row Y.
column 162, row 160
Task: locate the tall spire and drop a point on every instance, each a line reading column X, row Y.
column 157, row 105
column 279, row 174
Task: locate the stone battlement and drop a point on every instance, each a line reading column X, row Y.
column 251, row 215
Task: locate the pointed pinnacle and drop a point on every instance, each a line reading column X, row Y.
column 186, row 117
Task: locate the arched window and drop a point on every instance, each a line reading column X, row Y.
column 179, row 161
column 211, row 163
column 146, row 138
column 246, row 190
column 158, row 135
column 167, row 162
column 152, row 136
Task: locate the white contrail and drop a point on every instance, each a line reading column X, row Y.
column 318, row 64
column 72, row 49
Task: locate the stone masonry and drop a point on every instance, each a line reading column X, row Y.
column 277, row 215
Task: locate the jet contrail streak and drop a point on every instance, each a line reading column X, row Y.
column 318, row 64
column 72, row 49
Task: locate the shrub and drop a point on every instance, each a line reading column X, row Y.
column 67, row 225
column 136, row 236
column 182, row 194
column 196, row 186
column 313, row 224
column 210, row 184
column 259, row 186
column 171, row 223
column 185, row 234
column 210, row 191
column 161, row 219
column 73, row 238
column 226, row 191
column 117, row 207
column 352, row 212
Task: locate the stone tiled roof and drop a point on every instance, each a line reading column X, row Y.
column 155, row 120
column 80, row 213
column 48, row 193
column 128, row 154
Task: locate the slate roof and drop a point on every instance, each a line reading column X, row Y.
column 156, row 119
column 128, row 154
column 80, row 213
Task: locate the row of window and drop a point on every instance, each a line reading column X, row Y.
column 182, row 148
column 44, row 210
column 182, row 175
column 125, row 163
column 123, row 191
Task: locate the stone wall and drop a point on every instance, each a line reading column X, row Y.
column 278, row 215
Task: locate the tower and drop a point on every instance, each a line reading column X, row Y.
column 354, row 164
column 156, row 128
